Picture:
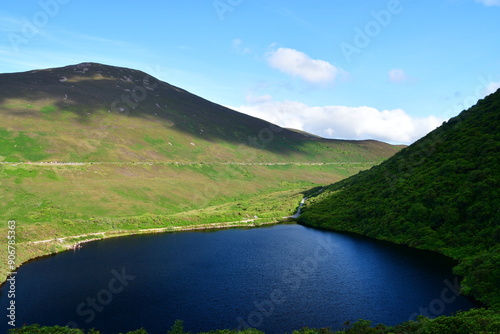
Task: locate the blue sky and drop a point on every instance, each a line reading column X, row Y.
column 390, row 70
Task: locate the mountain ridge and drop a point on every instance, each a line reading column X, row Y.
column 100, row 98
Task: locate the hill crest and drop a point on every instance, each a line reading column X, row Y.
column 95, row 112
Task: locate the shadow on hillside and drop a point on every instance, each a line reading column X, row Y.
column 86, row 88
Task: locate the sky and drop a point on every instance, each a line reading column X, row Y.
column 390, row 70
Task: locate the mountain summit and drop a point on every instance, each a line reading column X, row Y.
column 95, row 112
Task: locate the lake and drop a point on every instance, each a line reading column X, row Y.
column 276, row 279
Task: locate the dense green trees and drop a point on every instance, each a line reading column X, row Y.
column 473, row 321
column 442, row 193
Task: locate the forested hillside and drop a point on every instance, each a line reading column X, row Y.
column 442, row 193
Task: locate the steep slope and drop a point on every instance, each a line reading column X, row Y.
column 442, row 193
column 94, row 112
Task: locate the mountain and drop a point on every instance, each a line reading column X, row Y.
column 145, row 146
column 442, row 193
column 91, row 148
column 93, row 112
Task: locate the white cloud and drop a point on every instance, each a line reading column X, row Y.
column 341, row 122
column 398, row 76
column 252, row 99
column 298, row 64
column 489, row 2
column 492, row 87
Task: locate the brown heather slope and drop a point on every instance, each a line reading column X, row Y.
column 94, row 112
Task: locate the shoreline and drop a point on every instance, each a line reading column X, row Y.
column 456, row 261
column 207, row 227
column 123, row 233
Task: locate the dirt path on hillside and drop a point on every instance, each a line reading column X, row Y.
column 299, row 209
column 63, row 239
column 186, row 163
column 243, row 223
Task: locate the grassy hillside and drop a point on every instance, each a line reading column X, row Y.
column 92, row 148
column 93, row 112
column 442, row 193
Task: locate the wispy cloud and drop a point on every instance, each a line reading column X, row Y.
column 239, row 47
column 343, row 122
column 299, row 64
column 398, row 76
column 89, row 38
column 11, row 64
column 9, row 23
column 288, row 14
column 492, row 87
column 253, row 99
column 40, row 52
column 489, row 2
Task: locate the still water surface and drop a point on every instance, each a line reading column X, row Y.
column 277, row 279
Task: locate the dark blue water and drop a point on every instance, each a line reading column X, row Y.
column 276, row 279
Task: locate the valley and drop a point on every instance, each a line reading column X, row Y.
column 101, row 149
column 250, row 167
column 91, row 151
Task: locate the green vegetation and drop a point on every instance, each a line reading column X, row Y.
column 18, row 146
column 441, row 193
column 48, row 222
column 473, row 321
column 171, row 160
column 122, row 162
column 48, row 109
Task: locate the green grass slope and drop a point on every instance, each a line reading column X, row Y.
column 122, row 143
column 442, row 193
